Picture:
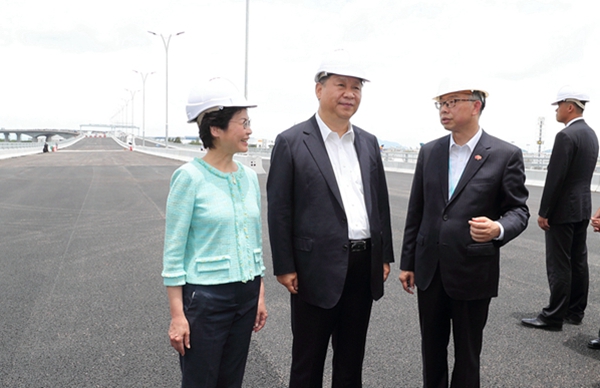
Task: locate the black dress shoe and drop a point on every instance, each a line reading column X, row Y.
column 594, row 344
column 539, row 324
column 573, row 321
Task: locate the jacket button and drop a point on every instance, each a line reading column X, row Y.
column 345, row 247
column 445, row 217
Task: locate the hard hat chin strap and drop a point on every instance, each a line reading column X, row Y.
column 576, row 102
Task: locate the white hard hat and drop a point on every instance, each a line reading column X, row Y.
column 341, row 63
column 455, row 85
column 213, row 95
column 570, row 93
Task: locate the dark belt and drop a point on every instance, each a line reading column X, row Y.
column 360, row 245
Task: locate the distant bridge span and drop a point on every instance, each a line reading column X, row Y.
column 49, row 133
column 111, row 126
column 36, row 133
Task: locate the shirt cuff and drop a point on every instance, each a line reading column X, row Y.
column 501, row 236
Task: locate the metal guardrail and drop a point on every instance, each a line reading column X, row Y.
column 11, row 145
column 14, row 149
column 393, row 159
column 533, row 161
column 188, row 153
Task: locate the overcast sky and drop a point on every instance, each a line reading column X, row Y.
column 64, row 63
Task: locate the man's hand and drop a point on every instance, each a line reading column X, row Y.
column 408, row 281
column 596, row 221
column 483, row 229
column 386, row 271
column 290, row 281
column 543, row 223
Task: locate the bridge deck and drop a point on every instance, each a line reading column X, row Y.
column 83, row 303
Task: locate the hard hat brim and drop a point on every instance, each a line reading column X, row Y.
column 216, row 108
column 437, row 98
column 322, row 74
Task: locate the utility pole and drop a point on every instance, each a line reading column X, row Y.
column 246, row 55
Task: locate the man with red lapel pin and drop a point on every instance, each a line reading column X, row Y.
column 468, row 199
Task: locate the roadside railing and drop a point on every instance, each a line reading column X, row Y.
column 393, row 159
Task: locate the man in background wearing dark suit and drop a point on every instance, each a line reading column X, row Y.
column 565, row 212
column 468, row 199
column 595, row 221
column 329, row 228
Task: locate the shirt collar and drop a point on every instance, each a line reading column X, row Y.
column 575, row 119
column 326, row 132
column 471, row 143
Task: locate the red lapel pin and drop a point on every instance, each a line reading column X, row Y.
column 477, row 157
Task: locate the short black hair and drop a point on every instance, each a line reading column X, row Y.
column 220, row 119
column 479, row 96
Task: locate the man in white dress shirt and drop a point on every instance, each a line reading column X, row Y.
column 329, row 228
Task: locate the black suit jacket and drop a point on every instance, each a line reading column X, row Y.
column 567, row 197
column 437, row 231
column 308, row 229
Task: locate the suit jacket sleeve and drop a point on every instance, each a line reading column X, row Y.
column 280, row 208
column 513, row 205
column 384, row 208
column 560, row 161
column 414, row 216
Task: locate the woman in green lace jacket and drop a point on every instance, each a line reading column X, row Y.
column 212, row 263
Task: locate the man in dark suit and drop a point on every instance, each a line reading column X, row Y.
column 329, row 227
column 595, row 221
column 467, row 200
column 564, row 214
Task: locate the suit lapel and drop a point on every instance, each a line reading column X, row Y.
column 362, row 152
column 439, row 162
column 477, row 159
column 316, row 147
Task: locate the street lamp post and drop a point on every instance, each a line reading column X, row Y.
column 124, row 111
column 132, row 94
column 246, row 54
column 166, row 44
column 144, row 76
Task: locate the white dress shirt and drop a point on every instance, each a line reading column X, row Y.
column 459, row 156
column 344, row 161
column 458, row 159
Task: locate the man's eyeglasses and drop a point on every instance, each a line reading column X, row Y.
column 450, row 103
column 246, row 123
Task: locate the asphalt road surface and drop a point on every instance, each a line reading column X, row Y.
column 82, row 302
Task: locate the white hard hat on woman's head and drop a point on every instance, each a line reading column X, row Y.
column 340, row 62
column 213, row 95
column 572, row 94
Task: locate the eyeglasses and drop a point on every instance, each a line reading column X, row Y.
column 450, row 103
column 245, row 123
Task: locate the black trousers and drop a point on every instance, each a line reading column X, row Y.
column 438, row 313
column 221, row 319
column 568, row 273
column 346, row 324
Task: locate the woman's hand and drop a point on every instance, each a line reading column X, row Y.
column 179, row 334
column 179, row 330
column 261, row 312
